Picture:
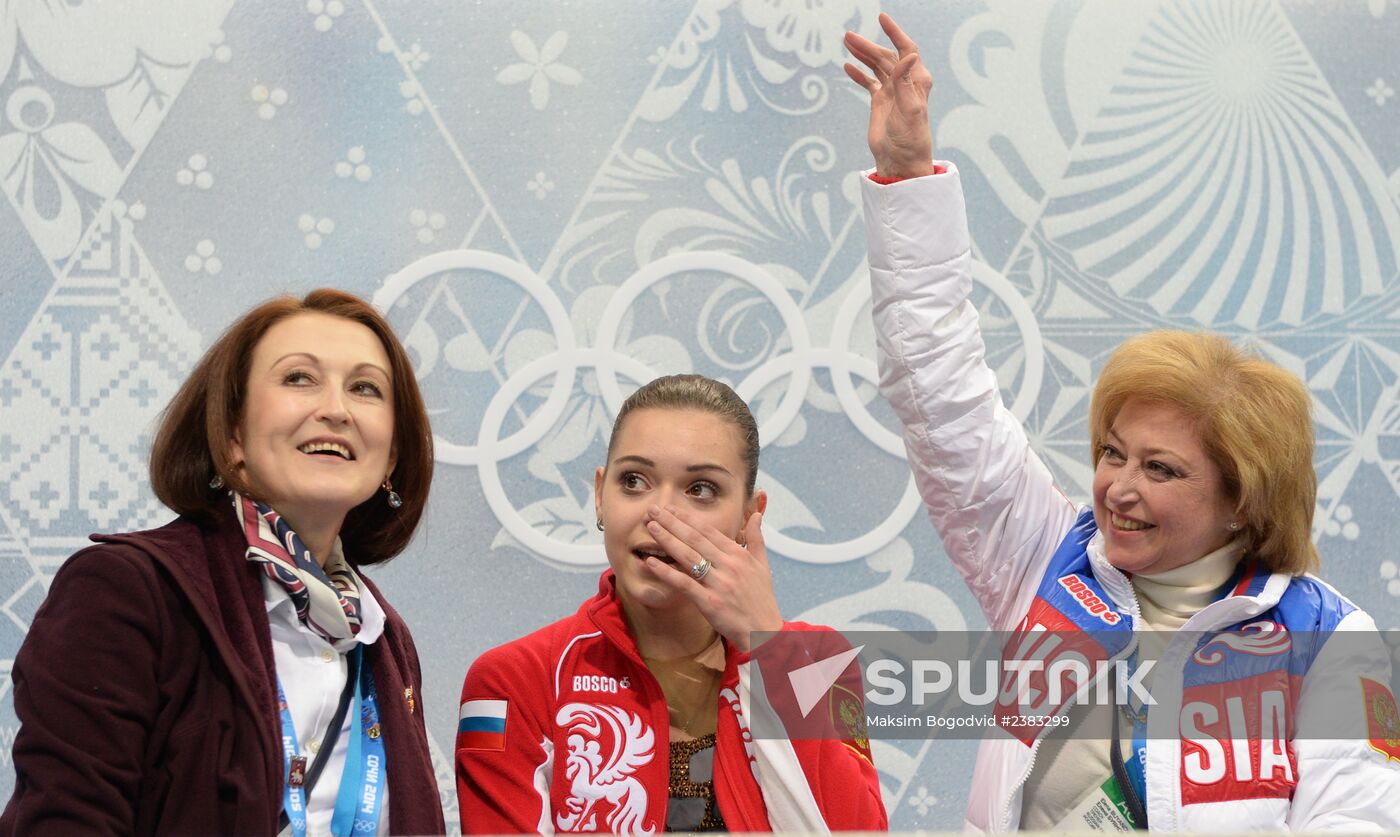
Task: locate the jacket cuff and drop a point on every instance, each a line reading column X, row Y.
column 938, row 168
column 915, row 223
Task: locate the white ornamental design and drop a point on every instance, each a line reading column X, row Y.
column 1260, row 639
column 607, row 745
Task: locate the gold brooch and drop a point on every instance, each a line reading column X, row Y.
column 408, row 696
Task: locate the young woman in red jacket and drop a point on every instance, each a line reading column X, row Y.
column 637, row 714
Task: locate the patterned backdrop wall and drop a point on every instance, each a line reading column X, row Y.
column 557, row 200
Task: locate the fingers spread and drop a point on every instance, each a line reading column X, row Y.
column 897, row 36
column 862, row 79
column 877, row 58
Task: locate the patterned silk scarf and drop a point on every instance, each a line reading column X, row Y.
column 327, row 601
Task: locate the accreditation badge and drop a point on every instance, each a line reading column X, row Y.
column 1104, row 809
column 296, row 772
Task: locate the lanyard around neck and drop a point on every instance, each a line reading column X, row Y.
column 1132, row 777
column 361, row 792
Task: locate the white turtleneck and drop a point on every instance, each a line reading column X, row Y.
column 1068, row 768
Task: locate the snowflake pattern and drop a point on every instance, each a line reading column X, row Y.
column 218, row 50
column 540, row 185
column 427, row 224
column 354, row 165
column 410, row 91
column 417, row 56
column 268, row 100
column 325, row 12
column 923, row 801
column 196, row 173
column 1380, row 92
column 1341, row 523
column 314, row 230
column 203, row 260
column 539, row 66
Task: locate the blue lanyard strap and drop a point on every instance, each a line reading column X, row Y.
column 361, row 793
column 1137, row 765
column 1131, row 777
column 358, row 803
column 294, row 769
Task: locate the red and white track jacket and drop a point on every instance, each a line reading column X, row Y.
column 566, row 730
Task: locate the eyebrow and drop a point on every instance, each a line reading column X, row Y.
column 647, row 463
column 1148, row 451
column 362, row 365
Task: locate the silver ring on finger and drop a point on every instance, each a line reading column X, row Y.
column 700, row 570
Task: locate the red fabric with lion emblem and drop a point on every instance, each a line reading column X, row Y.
column 583, row 743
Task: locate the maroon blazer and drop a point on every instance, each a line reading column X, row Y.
column 147, row 696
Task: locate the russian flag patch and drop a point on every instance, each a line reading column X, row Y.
column 481, row 725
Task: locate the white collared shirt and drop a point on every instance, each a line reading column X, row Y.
column 313, row 673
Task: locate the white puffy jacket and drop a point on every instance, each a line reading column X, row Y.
column 1001, row 520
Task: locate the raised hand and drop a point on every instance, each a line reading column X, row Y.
column 899, row 137
column 736, row 593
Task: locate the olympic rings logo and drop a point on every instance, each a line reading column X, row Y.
column 796, row 364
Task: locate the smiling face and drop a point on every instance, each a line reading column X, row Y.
column 316, row 435
column 1159, row 498
column 690, row 459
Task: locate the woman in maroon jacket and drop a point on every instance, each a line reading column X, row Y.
column 233, row 672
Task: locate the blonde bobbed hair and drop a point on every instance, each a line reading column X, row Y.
column 1253, row 418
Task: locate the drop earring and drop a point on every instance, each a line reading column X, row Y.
column 395, row 501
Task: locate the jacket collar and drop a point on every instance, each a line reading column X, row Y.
column 1256, row 591
column 604, row 610
column 206, row 562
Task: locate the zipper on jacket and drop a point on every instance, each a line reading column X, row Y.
column 1136, row 613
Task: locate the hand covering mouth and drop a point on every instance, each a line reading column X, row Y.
column 327, row 449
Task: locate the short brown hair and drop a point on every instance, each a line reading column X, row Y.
column 696, row 392
column 1253, row 418
column 194, row 440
